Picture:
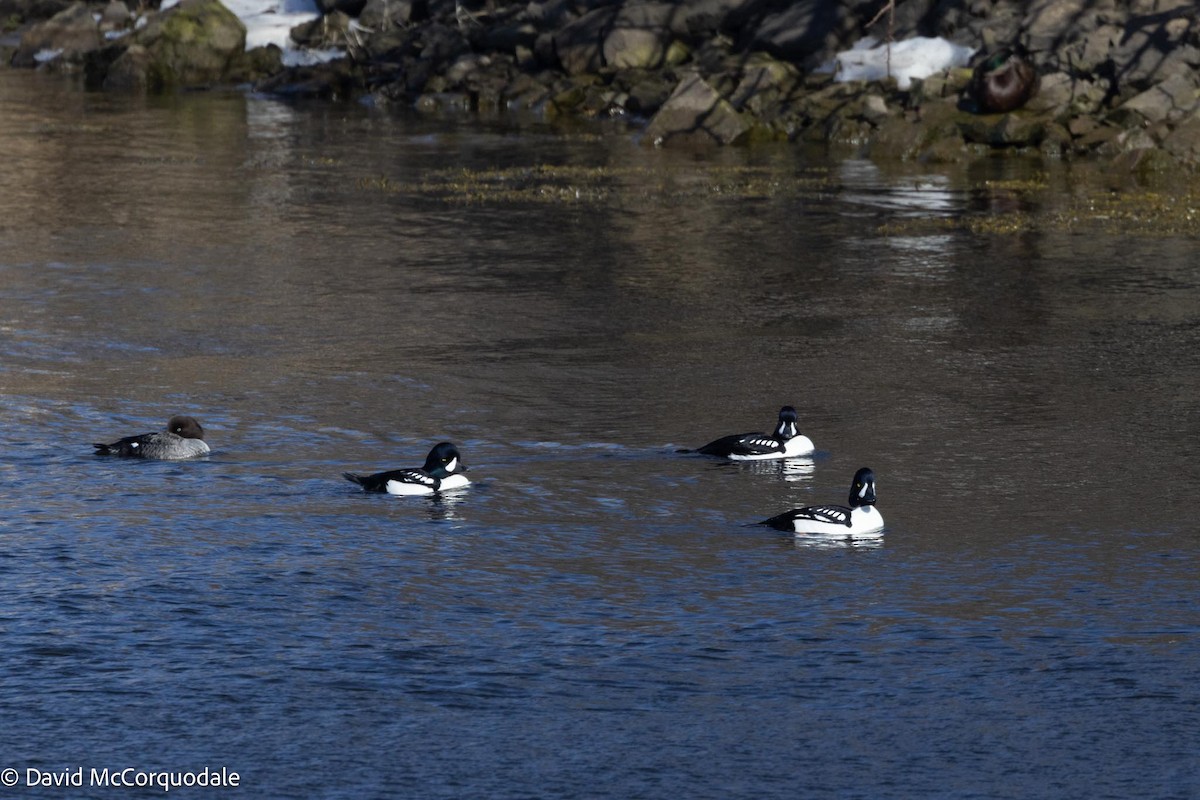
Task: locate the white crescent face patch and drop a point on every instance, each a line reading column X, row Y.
column 452, row 465
column 863, row 491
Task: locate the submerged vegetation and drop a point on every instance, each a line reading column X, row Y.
column 1047, row 199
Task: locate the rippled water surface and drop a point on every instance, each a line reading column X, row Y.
column 332, row 288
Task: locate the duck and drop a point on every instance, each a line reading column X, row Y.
column 443, row 470
column 860, row 520
column 183, row 438
column 785, row 442
column 1003, row 81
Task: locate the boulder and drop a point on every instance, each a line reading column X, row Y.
column 196, row 43
column 640, row 37
column 919, row 135
column 1064, row 95
column 1010, row 130
column 1090, row 55
column 331, row 30
column 695, row 20
column 115, row 17
column 763, row 75
column 128, row 71
column 1049, row 24
column 510, row 38
column 1173, row 99
column 382, row 15
column 648, row 93
column 351, row 8
column 1183, row 142
column 579, row 45
column 635, row 48
column 67, row 36
column 796, row 33
column 696, row 112
column 23, row 11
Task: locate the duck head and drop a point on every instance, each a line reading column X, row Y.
column 862, row 488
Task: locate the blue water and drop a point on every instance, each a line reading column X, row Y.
column 595, row 616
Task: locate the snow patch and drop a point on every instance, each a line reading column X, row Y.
column 271, row 22
column 918, row 57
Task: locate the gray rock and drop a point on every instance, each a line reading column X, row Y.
column 579, row 45
column 1011, row 130
column 351, row 8
column 806, row 31
column 1062, row 95
column 382, row 15
column 873, row 109
column 130, row 70
column 696, row 112
column 69, row 34
column 1089, row 54
column 192, row 44
column 935, row 130
column 1171, row 100
column 28, row 11
column 1183, row 142
column 647, row 95
column 694, row 20
column 115, row 17
column 196, row 43
column 643, row 35
column 635, row 48
column 762, row 75
column 510, row 38
column 1141, row 63
column 330, row 30
column 1049, row 24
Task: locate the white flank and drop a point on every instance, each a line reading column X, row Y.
column 865, row 522
column 407, row 489
column 755, row 457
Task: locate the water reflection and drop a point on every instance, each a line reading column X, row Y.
column 865, row 185
column 787, row 469
column 441, row 507
column 811, row 541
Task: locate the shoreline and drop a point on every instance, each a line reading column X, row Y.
column 1110, row 80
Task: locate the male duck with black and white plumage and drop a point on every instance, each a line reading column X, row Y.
column 859, row 520
column 443, row 470
column 785, row 441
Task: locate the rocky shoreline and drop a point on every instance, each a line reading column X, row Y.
column 1101, row 78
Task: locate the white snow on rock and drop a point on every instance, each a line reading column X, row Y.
column 271, row 21
column 918, row 57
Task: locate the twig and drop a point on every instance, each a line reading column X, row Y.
column 890, row 8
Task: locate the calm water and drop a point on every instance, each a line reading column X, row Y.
column 332, row 289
